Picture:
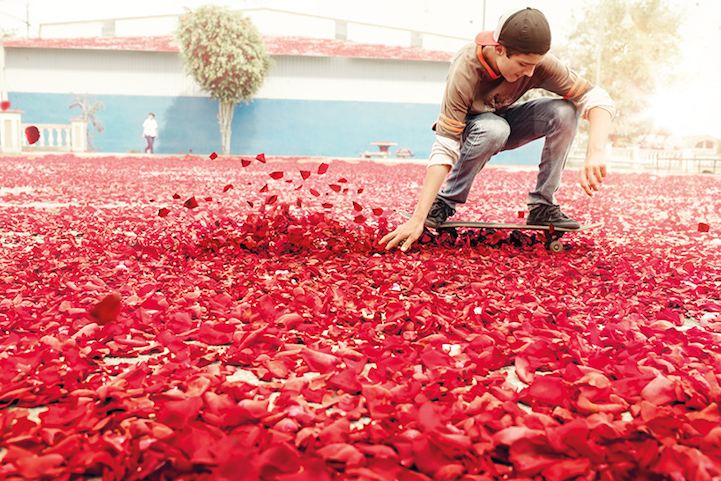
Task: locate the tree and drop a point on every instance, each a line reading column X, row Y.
column 87, row 113
column 224, row 53
column 628, row 47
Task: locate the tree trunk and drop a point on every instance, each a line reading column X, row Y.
column 225, row 118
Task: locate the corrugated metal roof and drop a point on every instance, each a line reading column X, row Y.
column 295, row 46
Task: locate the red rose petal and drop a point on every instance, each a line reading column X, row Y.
column 264, row 189
column 548, row 390
column 377, row 211
column 176, row 414
column 107, row 310
column 35, row 467
column 359, row 219
column 433, row 358
column 659, row 391
column 176, row 196
column 314, row 192
column 271, row 199
column 213, row 156
column 305, row 174
column 703, row 227
column 276, row 175
column 319, row 361
column 163, row 212
column 346, row 380
column 279, row 458
column 357, row 206
column 521, row 214
column 260, row 158
column 342, row 180
column 32, row 133
column 335, row 187
column 322, row 169
column 227, row 187
column 245, row 162
column 360, row 191
column 342, row 452
column 327, row 205
column 512, row 434
column 191, row 203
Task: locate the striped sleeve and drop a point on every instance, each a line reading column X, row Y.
column 458, row 96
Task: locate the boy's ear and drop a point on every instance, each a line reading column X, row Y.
column 500, row 50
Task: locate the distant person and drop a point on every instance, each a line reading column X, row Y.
column 150, row 131
column 478, row 119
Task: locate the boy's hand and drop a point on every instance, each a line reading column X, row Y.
column 592, row 173
column 409, row 231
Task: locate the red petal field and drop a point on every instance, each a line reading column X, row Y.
column 179, row 318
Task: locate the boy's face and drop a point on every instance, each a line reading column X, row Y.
column 517, row 66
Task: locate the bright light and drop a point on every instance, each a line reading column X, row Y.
column 692, row 110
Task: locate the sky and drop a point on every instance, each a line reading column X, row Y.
column 686, row 109
column 442, row 16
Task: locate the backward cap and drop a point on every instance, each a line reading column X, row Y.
column 525, row 30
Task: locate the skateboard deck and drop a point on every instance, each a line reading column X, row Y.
column 551, row 233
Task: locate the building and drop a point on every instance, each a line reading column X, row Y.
column 323, row 96
column 329, row 94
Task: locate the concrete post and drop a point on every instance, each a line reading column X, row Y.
column 79, row 135
column 10, row 131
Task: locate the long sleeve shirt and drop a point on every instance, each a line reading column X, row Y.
column 473, row 87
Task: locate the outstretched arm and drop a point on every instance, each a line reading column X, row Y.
column 594, row 168
column 412, row 229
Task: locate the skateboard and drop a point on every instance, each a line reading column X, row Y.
column 552, row 234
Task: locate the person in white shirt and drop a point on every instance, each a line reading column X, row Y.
column 150, row 131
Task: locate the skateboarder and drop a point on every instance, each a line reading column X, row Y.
column 478, row 120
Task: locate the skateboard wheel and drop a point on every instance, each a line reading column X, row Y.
column 555, row 246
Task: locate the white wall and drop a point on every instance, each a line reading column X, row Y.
column 108, row 72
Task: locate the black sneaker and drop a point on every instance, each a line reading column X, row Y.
column 551, row 214
column 440, row 211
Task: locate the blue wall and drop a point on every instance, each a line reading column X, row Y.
column 274, row 127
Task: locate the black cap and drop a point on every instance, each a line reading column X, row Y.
column 525, row 30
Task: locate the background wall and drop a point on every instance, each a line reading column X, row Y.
column 310, row 106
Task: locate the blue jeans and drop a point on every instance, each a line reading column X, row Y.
column 489, row 133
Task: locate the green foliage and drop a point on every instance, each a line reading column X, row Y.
column 87, row 113
column 223, row 52
column 629, row 48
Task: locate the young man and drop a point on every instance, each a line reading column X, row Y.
column 477, row 121
column 150, row 131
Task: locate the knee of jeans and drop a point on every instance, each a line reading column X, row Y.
column 566, row 113
column 495, row 133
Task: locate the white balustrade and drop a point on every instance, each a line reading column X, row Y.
column 53, row 137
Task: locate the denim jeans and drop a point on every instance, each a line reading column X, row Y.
column 489, row 133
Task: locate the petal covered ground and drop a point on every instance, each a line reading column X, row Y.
column 196, row 319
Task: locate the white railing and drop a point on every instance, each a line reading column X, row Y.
column 53, row 137
column 685, row 160
column 58, row 137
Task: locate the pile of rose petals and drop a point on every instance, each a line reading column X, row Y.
column 228, row 319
